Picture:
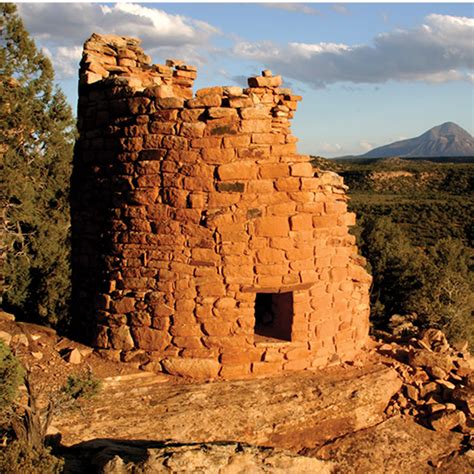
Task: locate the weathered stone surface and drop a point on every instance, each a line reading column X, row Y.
column 297, row 410
column 464, row 397
column 193, row 368
column 431, row 360
column 447, row 421
column 74, row 356
column 120, row 457
column 396, row 445
column 6, row 316
column 121, row 338
column 435, row 340
column 6, row 337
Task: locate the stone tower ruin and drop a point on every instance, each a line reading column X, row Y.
column 203, row 244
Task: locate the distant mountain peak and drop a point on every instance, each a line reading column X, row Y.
column 445, row 140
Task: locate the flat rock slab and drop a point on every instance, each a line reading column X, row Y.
column 295, row 411
column 117, row 457
column 394, row 446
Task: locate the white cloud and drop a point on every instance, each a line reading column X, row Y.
column 331, row 147
column 308, row 50
column 440, row 50
column 443, row 76
column 341, row 9
column 365, row 145
column 293, row 7
column 62, row 28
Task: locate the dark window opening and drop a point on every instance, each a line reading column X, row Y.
column 274, row 315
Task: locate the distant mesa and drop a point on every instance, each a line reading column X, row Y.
column 446, row 140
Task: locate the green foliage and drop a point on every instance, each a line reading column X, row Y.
column 396, row 267
column 83, row 385
column 11, row 376
column 37, row 134
column 19, row 458
column 446, row 300
column 434, row 284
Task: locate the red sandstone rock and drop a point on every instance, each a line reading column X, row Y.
column 194, row 368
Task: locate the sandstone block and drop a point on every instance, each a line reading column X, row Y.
column 222, row 112
column 188, row 342
column 209, row 100
column 234, row 371
column 101, row 337
column 256, row 126
column 347, row 219
column 287, row 184
column 192, row 368
column 169, row 103
column 447, row 421
column 232, row 91
column 73, row 356
column 260, row 186
column 238, row 170
column 259, row 111
column 217, row 328
column 273, row 170
column 237, row 141
column 301, row 222
column 150, row 339
column 266, row 368
column 139, row 105
column 206, row 142
column 192, row 129
column 261, row 81
column 272, row 226
column 123, row 305
column 238, row 102
column 267, row 138
column 284, row 149
column 217, row 200
column 324, row 221
column 270, row 256
column 120, row 338
column 217, row 90
column 298, row 353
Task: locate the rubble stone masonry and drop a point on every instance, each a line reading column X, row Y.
column 203, row 244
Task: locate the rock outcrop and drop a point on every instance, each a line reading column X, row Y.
column 396, row 445
column 438, row 387
column 293, row 411
column 211, row 458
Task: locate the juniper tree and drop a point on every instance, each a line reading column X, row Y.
column 36, row 140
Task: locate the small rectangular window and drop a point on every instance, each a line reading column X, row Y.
column 274, row 315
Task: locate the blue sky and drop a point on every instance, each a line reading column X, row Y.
column 369, row 74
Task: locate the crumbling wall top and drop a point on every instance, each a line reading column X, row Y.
column 119, row 60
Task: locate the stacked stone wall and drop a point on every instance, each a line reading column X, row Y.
column 186, row 206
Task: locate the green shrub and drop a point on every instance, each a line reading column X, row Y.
column 396, row 266
column 446, row 299
column 83, row 385
column 11, row 376
column 19, row 458
column 418, row 288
